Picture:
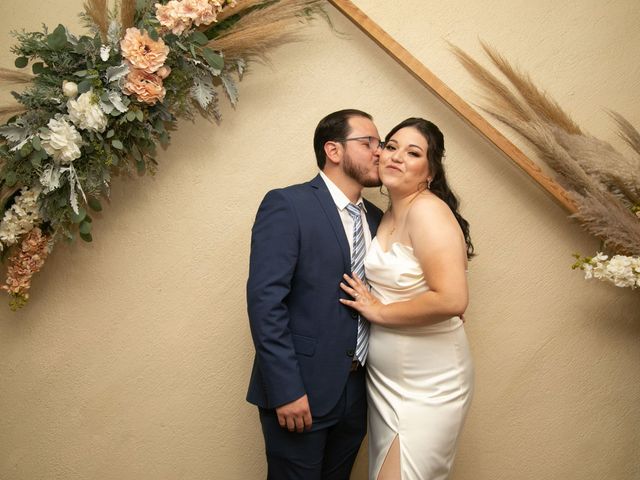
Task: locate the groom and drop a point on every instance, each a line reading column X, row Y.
column 308, row 377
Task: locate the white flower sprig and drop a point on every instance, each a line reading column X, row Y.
column 621, row 270
column 21, row 217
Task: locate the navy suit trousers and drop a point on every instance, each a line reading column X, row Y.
column 329, row 449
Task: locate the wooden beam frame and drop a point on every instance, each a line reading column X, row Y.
column 462, row 108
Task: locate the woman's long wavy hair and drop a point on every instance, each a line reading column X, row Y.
column 439, row 185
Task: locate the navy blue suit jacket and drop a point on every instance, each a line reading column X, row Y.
column 303, row 336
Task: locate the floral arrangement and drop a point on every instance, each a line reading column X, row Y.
column 621, row 270
column 603, row 182
column 98, row 105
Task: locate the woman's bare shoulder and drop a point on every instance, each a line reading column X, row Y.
column 427, row 208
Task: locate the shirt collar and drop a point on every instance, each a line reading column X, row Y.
column 339, row 198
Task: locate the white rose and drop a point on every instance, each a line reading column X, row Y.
column 70, row 89
column 62, row 141
column 86, row 114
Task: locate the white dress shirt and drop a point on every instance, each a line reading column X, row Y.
column 341, row 201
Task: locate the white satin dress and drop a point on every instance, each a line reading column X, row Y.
column 419, row 379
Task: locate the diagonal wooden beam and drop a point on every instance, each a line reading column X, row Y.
column 462, row 108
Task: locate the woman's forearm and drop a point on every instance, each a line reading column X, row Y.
column 428, row 308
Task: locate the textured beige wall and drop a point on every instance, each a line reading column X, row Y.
column 132, row 359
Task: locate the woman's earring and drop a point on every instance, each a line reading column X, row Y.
column 428, row 184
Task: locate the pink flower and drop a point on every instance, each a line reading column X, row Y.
column 179, row 16
column 142, row 52
column 199, row 11
column 170, row 16
column 147, row 87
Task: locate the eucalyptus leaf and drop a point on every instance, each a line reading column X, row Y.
column 199, row 38
column 95, row 204
column 26, row 150
column 140, row 115
column 10, row 178
column 130, row 116
column 110, row 133
column 58, row 39
column 21, row 62
column 84, row 86
column 136, row 153
column 35, row 142
column 36, row 158
column 214, row 60
column 37, row 68
column 85, row 227
column 80, row 216
column 117, row 144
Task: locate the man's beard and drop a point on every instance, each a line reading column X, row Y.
column 359, row 174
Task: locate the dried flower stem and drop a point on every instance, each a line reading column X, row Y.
column 604, row 182
column 99, row 14
column 127, row 13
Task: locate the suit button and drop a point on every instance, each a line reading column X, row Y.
column 350, row 353
column 354, row 315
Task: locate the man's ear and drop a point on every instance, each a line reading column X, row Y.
column 333, row 152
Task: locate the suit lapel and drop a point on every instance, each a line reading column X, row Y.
column 372, row 219
column 331, row 211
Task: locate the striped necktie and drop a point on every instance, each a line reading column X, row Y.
column 357, row 267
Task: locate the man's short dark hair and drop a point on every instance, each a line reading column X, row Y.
column 334, row 126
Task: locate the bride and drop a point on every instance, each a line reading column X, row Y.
column 420, row 372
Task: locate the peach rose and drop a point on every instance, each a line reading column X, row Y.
column 142, row 52
column 147, row 87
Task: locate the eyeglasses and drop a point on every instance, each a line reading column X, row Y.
column 373, row 142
